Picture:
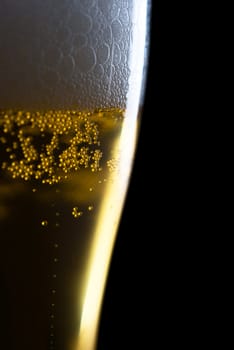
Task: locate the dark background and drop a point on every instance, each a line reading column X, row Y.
column 163, row 283
column 128, row 315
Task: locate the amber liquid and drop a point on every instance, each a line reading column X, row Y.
column 61, row 195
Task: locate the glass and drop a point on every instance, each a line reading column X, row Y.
column 72, row 83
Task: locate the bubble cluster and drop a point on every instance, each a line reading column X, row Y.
column 48, row 146
column 76, row 212
column 112, row 164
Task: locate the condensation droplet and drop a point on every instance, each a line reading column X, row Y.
column 79, row 40
column 67, row 65
column 80, row 22
column 103, row 53
column 52, row 56
column 117, row 30
column 86, row 59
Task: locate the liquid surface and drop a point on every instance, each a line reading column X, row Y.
column 55, row 168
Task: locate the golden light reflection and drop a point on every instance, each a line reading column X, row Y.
column 104, row 238
column 111, row 210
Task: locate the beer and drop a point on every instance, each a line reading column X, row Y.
column 72, row 84
column 61, row 194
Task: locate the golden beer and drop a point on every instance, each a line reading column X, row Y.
column 69, row 115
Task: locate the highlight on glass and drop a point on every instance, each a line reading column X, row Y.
column 72, row 84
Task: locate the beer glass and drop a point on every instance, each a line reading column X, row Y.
column 72, row 78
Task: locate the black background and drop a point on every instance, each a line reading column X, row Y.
column 128, row 314
column 161, row 286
